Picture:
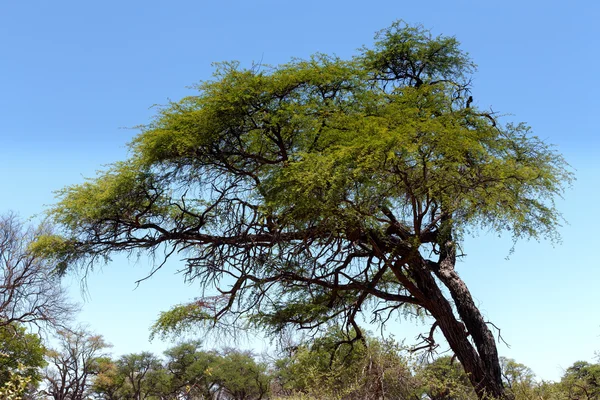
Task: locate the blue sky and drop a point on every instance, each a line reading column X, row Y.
column 76, row 76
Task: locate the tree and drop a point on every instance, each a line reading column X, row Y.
column 582, row 381
column 240, row 377
column 108, row 383
column 518, row 379
column 21, row 353
column 190, row 369
column 16, row 386
column 319, row 190
column 444, row 379
column 326, row 367
column 136, row 368
column 30, row 288
column 158, row 385
column 132, row 376
column 71, row 367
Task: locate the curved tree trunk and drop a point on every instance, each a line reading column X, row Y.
column 471, row 317
column 481, row 361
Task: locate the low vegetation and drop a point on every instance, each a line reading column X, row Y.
column 329, row 367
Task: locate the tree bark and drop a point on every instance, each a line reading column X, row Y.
column 481, row 362
column 472, row 318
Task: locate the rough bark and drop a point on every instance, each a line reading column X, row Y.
column 468, row 336
column 491, row 381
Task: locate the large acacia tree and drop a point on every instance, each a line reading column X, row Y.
column 316, row 191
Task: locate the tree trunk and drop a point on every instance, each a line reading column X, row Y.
column 481, row 362
column 472, row 318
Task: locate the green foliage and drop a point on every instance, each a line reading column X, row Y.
column 15, row 383
column 322, row 368
column 140, row 372
column 582, row 381
column 328, row 367
column 158, row 384
column 21, row 353
column 180, row 319
column 445, row 379
column 187, row 372
column 518, row 379
column 57, row 249
column 191, row 369
column 239, row 376
column 406, row 52
column 332, row 367
column 318, row 141
column 108, row 383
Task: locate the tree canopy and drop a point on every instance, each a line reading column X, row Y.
column 21, row 353
column 71, row 367
column 316, row 191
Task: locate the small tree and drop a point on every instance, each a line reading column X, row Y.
column 336, row 368
column 137, row 368
column 445, row 379
column 581, row 381
column 30, row 288
column 191, row 370
column 108, row 383
column 21, row 356
column 72, row 366
column 518, row 379
column 240, row 377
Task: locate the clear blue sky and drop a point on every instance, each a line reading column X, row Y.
column 74, row 74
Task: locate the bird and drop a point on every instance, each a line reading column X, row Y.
column 469, row 101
